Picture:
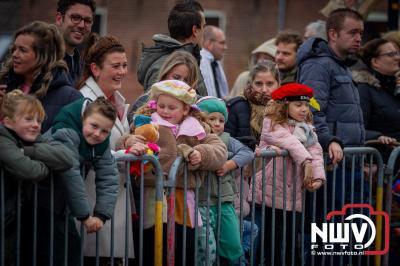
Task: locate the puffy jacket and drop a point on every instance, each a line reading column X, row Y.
column 340, row 117
column 380, row 107
column 27, row 162
column 282, row 137
column 154, row 57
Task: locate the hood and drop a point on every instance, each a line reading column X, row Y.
column 364, row 76
column 317, row 47
column 267, row 47
column 70, row 117
column 314, row 47
column 163, row 45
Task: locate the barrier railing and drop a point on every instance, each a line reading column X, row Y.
column 13, row 250
column 274, row 219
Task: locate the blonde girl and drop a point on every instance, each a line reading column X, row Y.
column 182, row 132
column 288, row 125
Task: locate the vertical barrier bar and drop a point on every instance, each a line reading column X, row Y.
column 66, row 239
column 207, row 217
column 283, row 252
column 273, row 211
column 97, row 249
column 263, row 209
column 159, row 221
column 35, row 210
column 184, row 214
column 52, row 217
column 128, row 216
column 171, row 213
column 112, row 240
column 219, row 219
column 2, row 213
column 253, row 208
column 294, row 177
column 82, row 242
column 19, row 220
column 196, row 219
column 241, row 199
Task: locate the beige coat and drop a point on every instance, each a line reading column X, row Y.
column 91, row 90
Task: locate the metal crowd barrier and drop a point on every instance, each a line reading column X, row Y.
column 333, row 195
column 370, row 189
column 17, row 256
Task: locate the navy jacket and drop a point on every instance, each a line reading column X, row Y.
column 340, row 117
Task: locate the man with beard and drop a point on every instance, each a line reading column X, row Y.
column 75, row 19
column 186, row 23
column 287, row 43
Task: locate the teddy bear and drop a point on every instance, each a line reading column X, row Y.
column 145, row 128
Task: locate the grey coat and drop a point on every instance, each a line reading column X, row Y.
column 340, row 117
column 107, row 178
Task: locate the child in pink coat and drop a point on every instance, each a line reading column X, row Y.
column 288, row 126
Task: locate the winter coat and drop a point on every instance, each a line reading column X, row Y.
column 154, row 57
column 380, row 107
column 340, row 116
column 92, row 91
column 238, row 124
column 67, row 129
column 59, row 93
column 282, row 137
column 242, row 155
column 289, row 76
column 23, row 161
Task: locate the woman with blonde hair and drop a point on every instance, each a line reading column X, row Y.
column 179, row 65
column 35, row 65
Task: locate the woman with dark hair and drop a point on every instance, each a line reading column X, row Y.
column 377, row 88
column 35, row 65
column 105, row 68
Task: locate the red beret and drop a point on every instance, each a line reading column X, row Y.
column 293, row 92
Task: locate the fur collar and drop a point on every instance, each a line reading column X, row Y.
column 364, row 76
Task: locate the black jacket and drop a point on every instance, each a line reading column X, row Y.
column 381, row 109
column 59, row 93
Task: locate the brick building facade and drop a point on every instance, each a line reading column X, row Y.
column 246, row 23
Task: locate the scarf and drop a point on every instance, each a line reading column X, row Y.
column 304, row 132
column 258, row 101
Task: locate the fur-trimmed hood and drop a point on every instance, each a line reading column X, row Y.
column 365, row 76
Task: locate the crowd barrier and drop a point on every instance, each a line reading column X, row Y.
column 370, row 189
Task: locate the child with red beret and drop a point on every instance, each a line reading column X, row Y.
column 288, row 126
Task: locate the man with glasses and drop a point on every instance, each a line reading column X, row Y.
column 74, row 19
column 214, row 47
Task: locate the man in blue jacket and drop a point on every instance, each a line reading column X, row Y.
column 324, row 67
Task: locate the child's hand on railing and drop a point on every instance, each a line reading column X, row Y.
column 316, row 184
column 195, row 157
column 228, row 166
column 137, row 149
column 90, row 224
column 308, row 174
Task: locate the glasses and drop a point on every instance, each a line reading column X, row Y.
column 76, row 19
column 391, row 54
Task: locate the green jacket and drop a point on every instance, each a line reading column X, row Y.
column 26, row 162
column 227, row 184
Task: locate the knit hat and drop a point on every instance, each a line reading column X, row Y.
column 175, row 88
column 211, row 104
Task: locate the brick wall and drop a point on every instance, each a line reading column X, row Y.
column 248, row 24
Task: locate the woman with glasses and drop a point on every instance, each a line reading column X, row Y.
column 379, row 88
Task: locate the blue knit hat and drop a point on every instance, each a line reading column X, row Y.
column 211, row 104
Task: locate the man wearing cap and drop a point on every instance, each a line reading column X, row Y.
column 287, row 43
column 214, row 47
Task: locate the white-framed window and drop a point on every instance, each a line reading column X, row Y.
column 100, row 21
column 215, row 18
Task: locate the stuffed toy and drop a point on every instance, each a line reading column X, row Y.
column 145, row 128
